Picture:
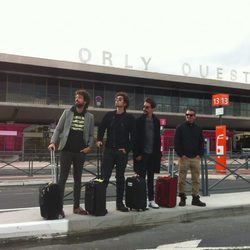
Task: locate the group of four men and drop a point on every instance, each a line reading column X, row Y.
column 74, row 135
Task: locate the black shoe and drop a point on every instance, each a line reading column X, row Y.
column 196, row 201
column 182, row 202
column 121, row 207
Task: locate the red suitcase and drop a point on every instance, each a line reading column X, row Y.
column 166, row 191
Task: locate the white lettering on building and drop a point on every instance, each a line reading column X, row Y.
column 106, row 58
column 219, row 73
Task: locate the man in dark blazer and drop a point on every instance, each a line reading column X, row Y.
column 147, row 148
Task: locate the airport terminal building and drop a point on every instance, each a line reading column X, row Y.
column 35, row 91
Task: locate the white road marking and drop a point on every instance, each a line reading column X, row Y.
column 193, row 244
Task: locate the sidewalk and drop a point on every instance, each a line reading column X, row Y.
column 27, row 223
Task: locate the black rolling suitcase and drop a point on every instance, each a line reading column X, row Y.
column 50, row 196
column 135, row 196
column 95, row 192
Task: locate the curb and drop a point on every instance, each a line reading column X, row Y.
column 74, row 224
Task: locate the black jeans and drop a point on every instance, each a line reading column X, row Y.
column 147, row 168
column 66, row 158
column 115, row 158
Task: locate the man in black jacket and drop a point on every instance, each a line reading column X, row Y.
column 147, row 150
column 189, row 146
column 120, row 128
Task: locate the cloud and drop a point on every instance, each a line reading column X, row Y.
column 171, row 32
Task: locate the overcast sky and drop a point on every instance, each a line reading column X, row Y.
column 209, row 33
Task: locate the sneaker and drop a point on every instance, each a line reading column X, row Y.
column 121, row 207
column 152, row 204
column 61, row 215
column 80, row 211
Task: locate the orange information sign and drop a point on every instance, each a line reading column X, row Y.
column 221, row 150
column 220, row 100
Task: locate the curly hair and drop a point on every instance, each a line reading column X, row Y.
column 85, row 95
column 125, row 97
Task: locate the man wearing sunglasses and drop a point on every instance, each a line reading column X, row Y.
column 189, row 146
column 147, row 150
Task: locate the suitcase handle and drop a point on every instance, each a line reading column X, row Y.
column 99, row 162
column 53, row 166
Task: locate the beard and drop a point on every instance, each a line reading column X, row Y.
column 79, row 105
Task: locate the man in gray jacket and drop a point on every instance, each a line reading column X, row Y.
column 74, row 136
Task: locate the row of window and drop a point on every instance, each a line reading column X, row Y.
column 41, row 90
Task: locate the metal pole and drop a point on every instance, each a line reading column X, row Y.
column 22, row 147
column 204, row 175
column 220, row 117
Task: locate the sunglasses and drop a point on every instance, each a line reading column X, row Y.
column 191, row 115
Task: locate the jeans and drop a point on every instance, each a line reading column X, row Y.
column 66, row 158
column 115, row 158
column 194, row 165
column 147, row 168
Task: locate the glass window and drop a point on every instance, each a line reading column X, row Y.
column 183, row 101
column 66, row 96
column 40, row 90
column 161, row 97
column 175, row 101
column 228, row 110
column 207, row 108
column 109, row 96
column 166, row 108
column 236, row 108
column 139, row 98
column 52, row 91
column 3, row 87
column 166, row 99
column 14, row 87
column 159, row 107
column 244, row 109
column 27, row 89
column 64, row 91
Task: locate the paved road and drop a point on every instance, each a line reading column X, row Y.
column 27, row 196
column 219, row 233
